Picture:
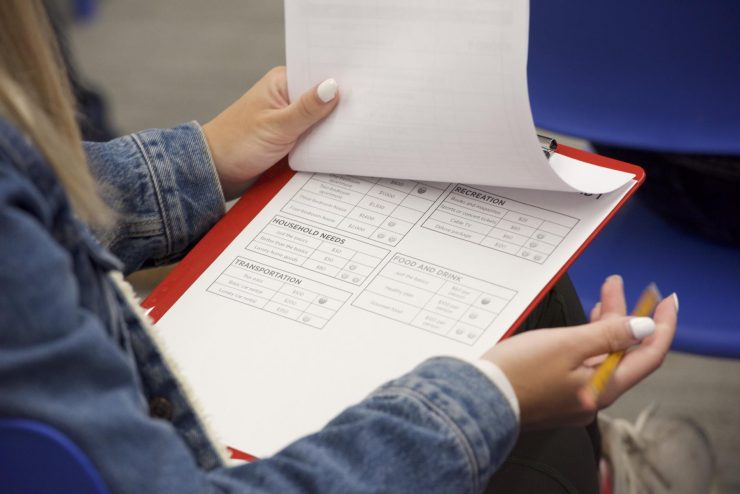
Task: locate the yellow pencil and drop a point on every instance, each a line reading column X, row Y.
column 649, row 299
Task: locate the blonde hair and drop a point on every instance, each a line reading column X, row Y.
column 36, row 97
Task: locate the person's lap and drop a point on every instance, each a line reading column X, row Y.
column 563, row 460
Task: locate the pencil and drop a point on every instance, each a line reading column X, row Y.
column 649, row 299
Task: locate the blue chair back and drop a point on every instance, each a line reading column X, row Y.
column 660, row 75
column 643, row 248
column 36, row 458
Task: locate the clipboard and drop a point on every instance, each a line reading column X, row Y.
column 166, row 295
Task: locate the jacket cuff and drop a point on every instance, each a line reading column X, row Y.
column 478, row 414
column 186, row 184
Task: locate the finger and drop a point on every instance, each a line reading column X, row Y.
column 612, row 297
column 595, row 361
column 610, row 335
column 313, row 106
column 279, row 84
column 595, row 312
column 587, row 399
column 640, row 362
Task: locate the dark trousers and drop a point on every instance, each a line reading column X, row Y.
column 696, row 192
column 553, row 461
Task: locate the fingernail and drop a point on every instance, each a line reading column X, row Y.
column 327, row 90
column 642, row 327
column 616, row 277
column 675, row 301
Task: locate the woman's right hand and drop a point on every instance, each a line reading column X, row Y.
column 550, row 369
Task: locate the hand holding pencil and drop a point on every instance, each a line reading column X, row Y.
column 648, row 301
column 620, row 369
column 552, row 370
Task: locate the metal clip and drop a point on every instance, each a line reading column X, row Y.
column 549, row 145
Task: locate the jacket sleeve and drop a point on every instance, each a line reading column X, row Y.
column 163, row 188
column 442, row 428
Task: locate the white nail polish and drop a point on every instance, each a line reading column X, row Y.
column 675, row 301
column 616, row 277
column 642, row 327
column 327, row 90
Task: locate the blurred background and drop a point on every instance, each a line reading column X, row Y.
column 159, row 63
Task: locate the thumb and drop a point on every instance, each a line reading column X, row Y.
column 612, row 335
column 313, row 106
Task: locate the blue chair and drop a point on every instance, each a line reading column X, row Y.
column 658, row 76
column 643, row 248
column 36, row 458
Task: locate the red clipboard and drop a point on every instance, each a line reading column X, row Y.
column 169, row 291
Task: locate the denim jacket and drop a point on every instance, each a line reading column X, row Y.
column 74, row 355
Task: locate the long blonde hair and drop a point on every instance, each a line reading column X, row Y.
column 36, row 97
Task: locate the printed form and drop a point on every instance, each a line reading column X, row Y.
column 342, row 283
column 438, row 86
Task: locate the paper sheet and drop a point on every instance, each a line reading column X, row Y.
column 342, row 283
column 429, row 91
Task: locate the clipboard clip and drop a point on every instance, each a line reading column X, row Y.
column 548, row 144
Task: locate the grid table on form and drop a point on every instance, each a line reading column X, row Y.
column 434, row 298
column 383, row 210
column 499, row 223
column 279, row 292
column 320, row 250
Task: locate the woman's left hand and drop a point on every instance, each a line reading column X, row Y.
column 550, row 369
column 262, row 126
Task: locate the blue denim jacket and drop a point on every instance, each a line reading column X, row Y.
column 74, row 355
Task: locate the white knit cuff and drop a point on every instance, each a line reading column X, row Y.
column 499, row 379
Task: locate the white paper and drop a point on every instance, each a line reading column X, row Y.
column 429, row 91
column 342, row 283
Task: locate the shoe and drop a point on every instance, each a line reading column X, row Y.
column 657, row 455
